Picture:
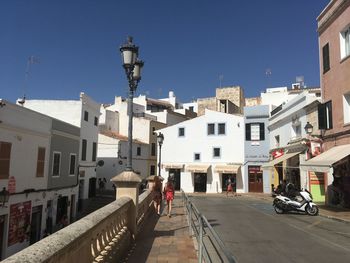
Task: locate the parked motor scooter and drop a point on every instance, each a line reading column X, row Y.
column 302, row 202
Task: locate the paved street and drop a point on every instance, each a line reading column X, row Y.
column 253, row 232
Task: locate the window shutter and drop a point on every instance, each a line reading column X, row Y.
column 262, row 131
column 247, row 132
column 330, row 120
column 322, row 121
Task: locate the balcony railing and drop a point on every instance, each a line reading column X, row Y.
column 102, row 236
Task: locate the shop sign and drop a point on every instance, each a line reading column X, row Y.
column 19, row 223
column 254, row 169
column 277, row 153
column 315, row 148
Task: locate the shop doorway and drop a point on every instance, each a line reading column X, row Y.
column 35, row 225
column 255, row 177
column 72, row 208
column 2, row 231
column 80, row 195
column 92, row 187
column 62, row 205
column 176, row 174
column 224, row 179
column 200, row 182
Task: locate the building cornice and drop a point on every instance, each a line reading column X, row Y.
column 324, row 22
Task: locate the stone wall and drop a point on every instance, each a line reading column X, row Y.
column 234, row 94
column 252, row 101
column 207, row 103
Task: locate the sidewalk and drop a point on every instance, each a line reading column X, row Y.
column 164, row 239
column 336, row 213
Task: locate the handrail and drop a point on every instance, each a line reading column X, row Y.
column 210, row 246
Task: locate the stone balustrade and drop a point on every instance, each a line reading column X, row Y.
column 102, row 236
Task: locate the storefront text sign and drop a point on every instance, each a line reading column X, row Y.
column 19, row 223
column 277, row 153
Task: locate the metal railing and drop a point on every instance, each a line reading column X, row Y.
column 210, row 246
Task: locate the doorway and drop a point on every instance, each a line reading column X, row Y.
column 200, row 182
column 92, row 187
column 2, row 231
column 224, row 179
column 72, row 208
column 255, row 177
column 175, row 173
column 35, row 225
column 62, row 205
column 80, row 195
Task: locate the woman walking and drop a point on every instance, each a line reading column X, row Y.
column 157, row 194
column 169, row 195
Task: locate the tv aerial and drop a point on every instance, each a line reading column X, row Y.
column 31, row 61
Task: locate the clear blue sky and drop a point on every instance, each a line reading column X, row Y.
column 186, row 46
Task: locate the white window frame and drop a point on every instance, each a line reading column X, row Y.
column 53, row 164
column 70, row 158
column 345, row 42
column 346, row 108
column 256, row 136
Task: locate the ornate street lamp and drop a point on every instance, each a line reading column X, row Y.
column 160, row 139
column 132, row 66
column 4, row 196
column 308, row 128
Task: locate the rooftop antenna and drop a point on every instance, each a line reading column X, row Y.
column 31, row 60
column 268, row 73
column 221, row 78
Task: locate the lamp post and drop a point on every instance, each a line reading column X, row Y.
column 308, row 128
column 132, row 66
column 4, row 196
column 160, row 139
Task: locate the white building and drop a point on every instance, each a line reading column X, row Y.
column 113, row 150
column 83, row 113
column 203, row 152
column 37, row 169
column 288, row 138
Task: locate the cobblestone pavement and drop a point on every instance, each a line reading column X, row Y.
column 165, row 239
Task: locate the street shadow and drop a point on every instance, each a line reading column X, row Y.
column 141, row 247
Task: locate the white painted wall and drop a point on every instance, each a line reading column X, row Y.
column 181, row 149
column 108, row 149
column 27, row 130
column 72, row 111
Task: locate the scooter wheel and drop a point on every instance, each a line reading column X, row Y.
column 278, row 210
column 312, row 211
